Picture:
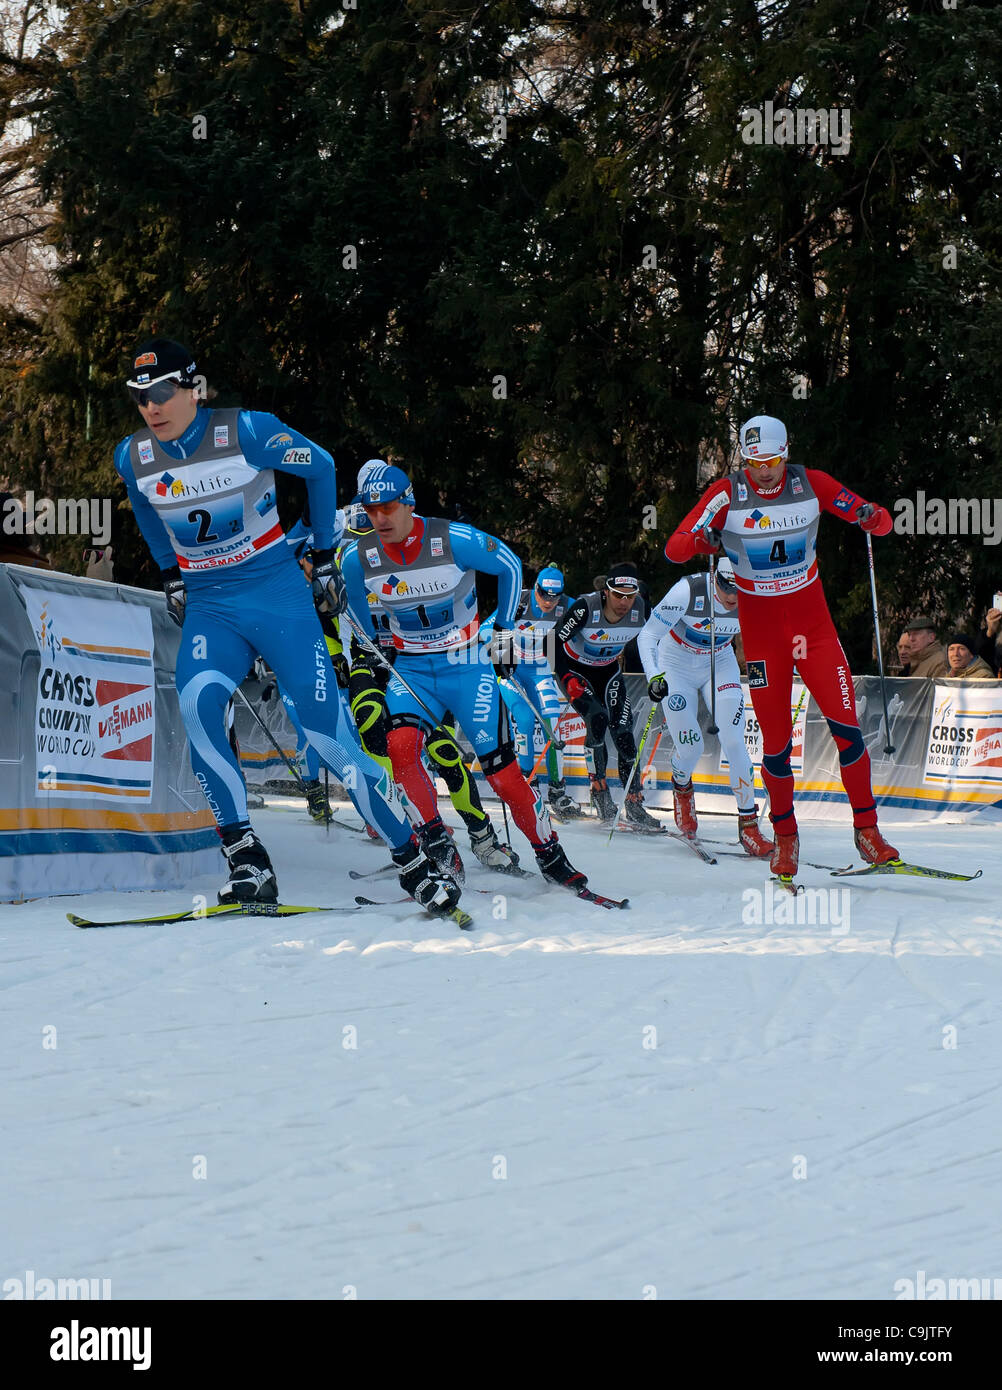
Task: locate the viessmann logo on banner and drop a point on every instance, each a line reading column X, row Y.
column 96, row 699
column 965, row 736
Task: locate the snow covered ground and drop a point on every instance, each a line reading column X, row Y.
column 687, row 1099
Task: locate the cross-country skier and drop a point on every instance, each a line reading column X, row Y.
column 674, row 648
column 202, row 487
column 367, row 692
column 423, row 571
column 532, row 693
column 588, row 644
column 766, row 517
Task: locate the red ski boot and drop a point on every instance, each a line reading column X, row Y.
column 685, row 809
column 785, row 855
column 752, row 839
column 872, row 845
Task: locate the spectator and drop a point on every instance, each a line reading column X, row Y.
column 925, row 654
column 990, row 646
column 964, row 665
column 15, row 540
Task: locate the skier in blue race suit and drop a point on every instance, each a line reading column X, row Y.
column 423, row 570
column 203, row 491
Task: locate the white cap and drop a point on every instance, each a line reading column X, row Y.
column 763, row 436
column 368, row 467
column 725, row 573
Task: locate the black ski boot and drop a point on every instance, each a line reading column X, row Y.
column 424, row 881
column 557, row 868
column 317, row 804
column 440, row 847
column 561, row 805
column 252, row 878
column 601, row 799
column 639, row 817
column 490, row 851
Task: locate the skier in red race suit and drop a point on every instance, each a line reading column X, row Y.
column 766, row 518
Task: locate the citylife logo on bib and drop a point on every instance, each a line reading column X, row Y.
column 69, row 516
column 771, row 125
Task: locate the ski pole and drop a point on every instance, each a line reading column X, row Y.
column 557, row 743
column 270, row 737
column 712, row 727
column 636, row 762
column 373, row 650
column 888, row 747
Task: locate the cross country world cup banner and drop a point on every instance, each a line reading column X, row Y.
column 96, row 698
column 964, row 747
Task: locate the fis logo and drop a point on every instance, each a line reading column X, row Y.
column 47, row 639
column 168, row 485
column 279, row 441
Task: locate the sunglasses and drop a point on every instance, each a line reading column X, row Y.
column 158, row 393
column 773, row 462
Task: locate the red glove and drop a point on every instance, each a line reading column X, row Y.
column 576, row 688
column 706, row 540
column 872, row 518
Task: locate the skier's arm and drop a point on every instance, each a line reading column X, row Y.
column 476, row 550
column 358, row 595
column 846, row 505
column 710, row 512
column 154, row 532
column 267, row 443
column 573, row 621
column 659, row 624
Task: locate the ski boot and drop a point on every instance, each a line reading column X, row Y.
column 752, row 839
column 639, row 818
column 785, row 859
column 556, row 868
column 252, row 878
column 602, row 800
column 437, row 842
column 317, row 804
column 872, row 846
column 560, row 804
column 684, row 799
column 490, row 851
column 424, row 881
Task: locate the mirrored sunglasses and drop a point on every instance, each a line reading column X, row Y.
column 157, row 393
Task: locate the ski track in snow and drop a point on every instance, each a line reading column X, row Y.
column 807, row 1125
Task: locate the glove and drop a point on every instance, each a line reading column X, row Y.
column 329, row 593
column 503, row 652
column 174, row 592
column 870, row 518
column 657, row 688
column 707, row 540
column 342, row 671
column 576, row 688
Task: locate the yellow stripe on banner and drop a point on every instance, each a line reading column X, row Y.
column 92, row 791
column 108, row 651
column 246, row 756
column 73, row 818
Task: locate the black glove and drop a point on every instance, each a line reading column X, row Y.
column 329, row 593
column 174, row 592
column 707, row 540
column 657, row 688
column 503, row 649
column 342, row 670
